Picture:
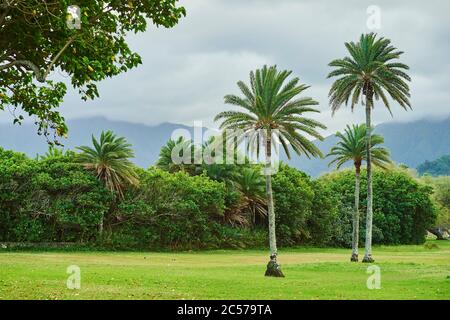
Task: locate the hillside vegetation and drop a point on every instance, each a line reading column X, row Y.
column 438, row 167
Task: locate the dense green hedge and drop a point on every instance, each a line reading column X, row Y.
column 305, row 209
column 56, row 200
column 403, row 209
column 48, row 200
column 175, row 211
column 441, row 198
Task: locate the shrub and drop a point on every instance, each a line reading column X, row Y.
column 50, row 199
column 293, row 197
column 304, row 209
column 403, row 209
column 441, row 198
column 169, row 210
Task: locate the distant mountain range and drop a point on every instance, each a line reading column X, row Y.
column 410, row 143
column 146, row 140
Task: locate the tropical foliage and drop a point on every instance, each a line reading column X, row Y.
column 46, row 200
column 305, row 209
column 177, row 155
column 403, row 208
column 109, row 160
column 57, row 200
column 250, row 184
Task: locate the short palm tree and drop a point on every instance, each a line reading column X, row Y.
column 371, row 71
column 217, row 166
column 352, row 147
column 273, row 111
column 109, row 160
column 52, row 152
column 250, row 184
column 172, row 157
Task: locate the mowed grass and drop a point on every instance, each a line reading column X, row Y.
column 407, row 272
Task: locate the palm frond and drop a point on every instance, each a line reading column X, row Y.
column 271, row 102
column 372, row 68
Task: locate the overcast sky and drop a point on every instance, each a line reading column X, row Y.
column 187, row 70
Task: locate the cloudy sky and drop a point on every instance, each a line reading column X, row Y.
column 187, row 70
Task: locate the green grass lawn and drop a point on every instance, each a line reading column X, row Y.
column 407, row 272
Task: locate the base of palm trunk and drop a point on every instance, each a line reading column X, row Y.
column 274, row 269
column 354, row 257
column 368, row 259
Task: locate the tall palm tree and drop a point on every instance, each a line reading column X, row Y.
column 352, row 147
column 274, row 112
column 372, row 71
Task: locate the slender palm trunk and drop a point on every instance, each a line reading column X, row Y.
column 273, row 268
column 355, row 235
column 100, row 226
column 368, row 246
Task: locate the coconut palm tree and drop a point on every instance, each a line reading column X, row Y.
column 273, row 112
column 352, row 147
column 371, row 71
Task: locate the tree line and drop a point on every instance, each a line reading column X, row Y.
column 57, row 197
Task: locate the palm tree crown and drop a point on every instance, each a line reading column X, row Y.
column 352, row 147
column 53, row 152
column 109, row 160
column 369, row 71
column 250, row 184
column 271, row 104
column 172, row 157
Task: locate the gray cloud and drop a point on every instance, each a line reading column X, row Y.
column 188, row 69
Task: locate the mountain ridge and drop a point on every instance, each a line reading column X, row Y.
column 411, row 143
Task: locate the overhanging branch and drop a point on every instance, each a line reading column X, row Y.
column 25, row 63
column 55, row 58
column 40, row 76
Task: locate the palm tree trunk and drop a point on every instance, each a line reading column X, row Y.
column 368, row 247
column 355, row 236
column 100, row 227
column 273, row 268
